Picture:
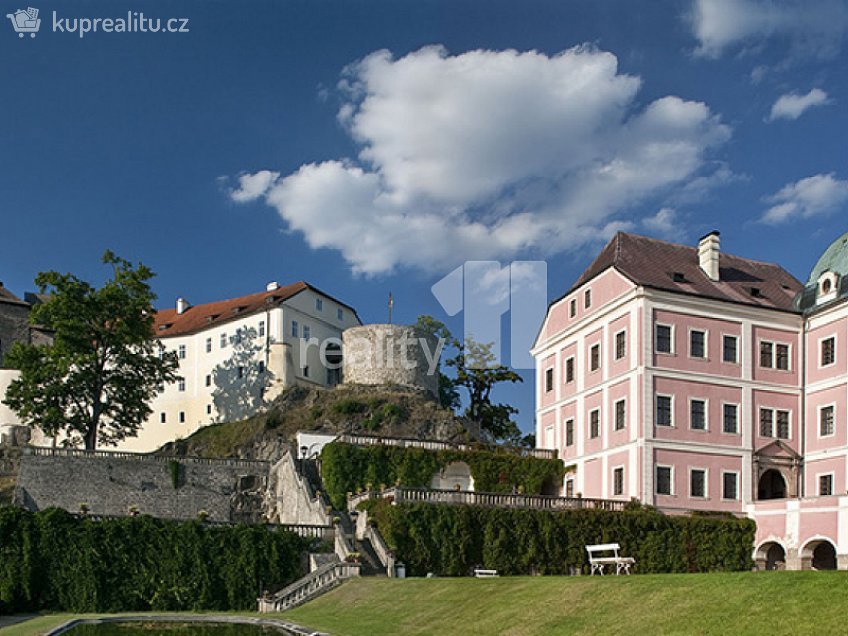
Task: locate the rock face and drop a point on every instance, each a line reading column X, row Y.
column 387, row 355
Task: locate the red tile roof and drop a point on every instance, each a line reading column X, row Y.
column 199, row 317
column 671, row 267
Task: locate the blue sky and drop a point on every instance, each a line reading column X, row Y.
column 370, row 147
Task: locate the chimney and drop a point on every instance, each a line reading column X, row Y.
column 182, row 305
column 708, row 251
column 272, row 286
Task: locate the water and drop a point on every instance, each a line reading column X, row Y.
column 176, row 629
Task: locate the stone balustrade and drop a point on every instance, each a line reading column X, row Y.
column 437, row 445
column 313, row 584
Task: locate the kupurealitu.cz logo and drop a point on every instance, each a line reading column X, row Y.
column 27, row 21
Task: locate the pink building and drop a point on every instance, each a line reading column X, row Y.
column 695, row 380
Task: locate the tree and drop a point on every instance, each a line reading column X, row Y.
column 95, row 381
column 477, row 372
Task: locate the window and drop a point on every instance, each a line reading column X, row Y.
column 569, row 433
column 181, row 352
column 828, row 351
column 782, row 424
column 663, row 410
column 663, row 339
column 307, row 331
column 766, row 355
column 340, row 313
column 294, row 329
column 595, row 357
column 697, row 344
column 181, row 384
column 730, row 423
column 549, row 380
column 319, row 304
column 261, row 328
column 697, row 483
column 306, row 371
column 730, row 486
column 620, row 415
column 240, row 372
column 595, row 424
column 587, row 298
column 663, row 480
column 163, row 418
column 698, row 415
column 572, row 308
column 569, row 488
column 781, row 357
column 569, row 370
column 209, row 345
column 620, row 345
column 223, row 342
column 730, row 349
column 237, row 337
column 208, row 409
column 182, row 417
column 618, row 481
column 825, row 485
column 208, row 380
column 826, row 421
column 766, row 423
column 261, row 366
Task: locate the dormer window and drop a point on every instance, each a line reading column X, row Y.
column 678, row 277
column 827, row 287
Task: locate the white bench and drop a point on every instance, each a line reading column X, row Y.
column 485, row 574
column 598, row 561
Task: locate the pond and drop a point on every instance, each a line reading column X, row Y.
column 175, row 629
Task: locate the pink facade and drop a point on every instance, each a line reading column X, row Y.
column 689, row 392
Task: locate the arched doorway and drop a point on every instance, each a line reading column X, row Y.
column 770, row 556
column 819, row 554
column 771, row 485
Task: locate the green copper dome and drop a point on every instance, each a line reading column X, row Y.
column 834, row 259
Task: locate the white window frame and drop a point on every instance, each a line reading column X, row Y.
column 737, row 339
column 261, row 329
column 181, row 385
column 549, row 386
column 587, row 298
column 760, row 343
column 623, row 356
column 222, row 340
column 706, row 472
column 623, row 482
column 573, row 369
column 600, row 359
column 589, row 421
column 573, row 440
column 656, row 409
column 209, row 345
column 672, row 348
column 706, row 414
column 736, row 474
column 569, row 486
column 788, row 346
column 706, row 344
column 181, row 352
column 672, row 491
column 774, row 410
column 294, row 329
column 835, row 349
column 832, row 476
column 821, row 408
column 549, row 432
column 615, row 404
column 736, row 405
column 788, row 423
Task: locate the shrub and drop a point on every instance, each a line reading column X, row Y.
column 349, row 407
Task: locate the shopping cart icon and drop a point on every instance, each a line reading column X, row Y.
column 25, row 21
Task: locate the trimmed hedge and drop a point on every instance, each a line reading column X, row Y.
column 451, row 540
column 52, row 560
column 349, row 468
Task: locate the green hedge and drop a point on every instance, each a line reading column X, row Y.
column 451, row 540
column 52, row 560
column 349, row 468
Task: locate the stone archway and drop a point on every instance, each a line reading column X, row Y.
column 770, row 556
column 819, row 554
column 771, row 485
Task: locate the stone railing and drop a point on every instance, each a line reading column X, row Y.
column 143, row 457
column 488, row 499
column 366, row 530
column 313, row 584
column 436, row 445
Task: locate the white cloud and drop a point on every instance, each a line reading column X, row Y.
column 820, row 194
column 487, row 155
column 665, row 224
column 815, row 28
column 793, row 105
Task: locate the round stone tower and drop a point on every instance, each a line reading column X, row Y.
column 390, row 355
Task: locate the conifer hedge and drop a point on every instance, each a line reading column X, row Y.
column 451, row 540
column 349, row 468
column 52, row 560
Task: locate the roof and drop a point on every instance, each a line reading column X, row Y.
column 8, row 297
column 834, row 259
column 656, row 264
column 196, row 318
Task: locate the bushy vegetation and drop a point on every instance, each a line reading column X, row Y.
column 451, row 540
column 52, row 560
column 350, row 468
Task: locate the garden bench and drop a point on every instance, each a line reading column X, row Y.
column 622, row 564
column 485, row 574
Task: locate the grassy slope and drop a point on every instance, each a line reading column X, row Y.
column 742, row 603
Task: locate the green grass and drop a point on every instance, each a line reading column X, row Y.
column 742, row 603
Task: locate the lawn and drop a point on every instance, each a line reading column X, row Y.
column 741, row 603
